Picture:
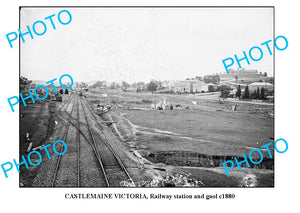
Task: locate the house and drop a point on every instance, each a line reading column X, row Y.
column 182, row 86
column 190, row 86
column 265, row 85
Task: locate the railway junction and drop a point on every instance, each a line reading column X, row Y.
column 95, row 156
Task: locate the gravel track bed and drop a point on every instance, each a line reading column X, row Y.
column 90, row 173
column 68, row 170
column 114, row 172
column 47, row 167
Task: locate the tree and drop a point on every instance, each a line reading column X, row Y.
column 113, row 85
column 225, row 90
column 215, row 79
column 83, row 84
column 254, row 94
column 246, row 93
column 140, row 84
column 211, row 88
column 257, row 93
column 262, row 93
column 239, row 92
column 125, row 85
column 225, row 93
column 24, row 83
column 152, row 86
column 134, row 85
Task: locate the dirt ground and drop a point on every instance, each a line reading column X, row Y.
column 38, row 120
column 208, row 127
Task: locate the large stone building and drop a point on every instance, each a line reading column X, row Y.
column 190, row 86
column 242, row 75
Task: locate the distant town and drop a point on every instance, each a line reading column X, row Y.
column 239, row 83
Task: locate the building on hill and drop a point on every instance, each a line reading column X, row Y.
column 242, row 75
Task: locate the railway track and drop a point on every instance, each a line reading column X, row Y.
column 78, row 142
column 64, row 139
column 93, row 145
column 81, row 132
column 110, row 165
column 111, row 158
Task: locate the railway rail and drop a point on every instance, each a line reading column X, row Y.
column 94, row 139
column 93, row 144
column 64, row 139
column 105, row 140
column 79, row 132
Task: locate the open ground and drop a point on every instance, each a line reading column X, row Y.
column 200, row 128
column 195, row 137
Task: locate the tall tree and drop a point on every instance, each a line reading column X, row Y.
column 246, row 93
column 239, row 92
column 254, row 94
column 262, row 93
column 257, row 93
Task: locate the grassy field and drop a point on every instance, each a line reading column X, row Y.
column 208, row 127
column 201, row 124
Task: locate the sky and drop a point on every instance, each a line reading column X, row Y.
column 140, row 44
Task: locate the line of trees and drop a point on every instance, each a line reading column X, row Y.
column 259, row 94
column 152, row 86
column 256, row 94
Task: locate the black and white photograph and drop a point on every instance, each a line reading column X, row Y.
column 149, row 106
column 146, row 96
